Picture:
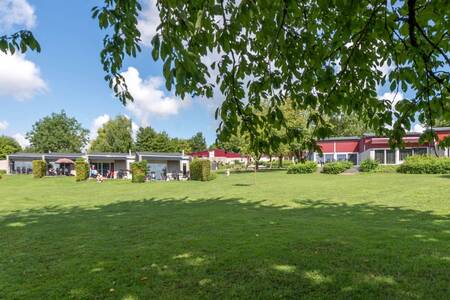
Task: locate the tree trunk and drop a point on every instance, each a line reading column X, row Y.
column 280, row 161
column 435, row 148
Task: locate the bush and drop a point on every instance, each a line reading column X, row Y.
column 336, row 167
column 425, row 165
column 81, row 169
column 2, row 172
column 1, row 176
column 139, row 171
column 368, row 165
column 303, row 168
column 386, row 169
column 201, row 170
column 39, row 168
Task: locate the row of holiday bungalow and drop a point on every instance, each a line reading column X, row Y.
column 109, row 165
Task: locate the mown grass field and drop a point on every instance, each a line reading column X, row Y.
column 263, row 236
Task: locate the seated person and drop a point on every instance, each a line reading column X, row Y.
column 99, row 178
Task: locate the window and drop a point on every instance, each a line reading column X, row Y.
column 404, row 153
column 23, row 167
column 104, row 168
column 379, row 156
column 329, row 157
column 157, row 170
column 341, row 156
column 420, row 151
column 390, row 157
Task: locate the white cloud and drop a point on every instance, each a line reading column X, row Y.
column 418, row 128
column 134, row 129
column 16, row 13
column 392, row 96
column 148, row 21
column 3, row 125
column 19, row 77
column 97, row 124
column 149, row 98
column 22, row 140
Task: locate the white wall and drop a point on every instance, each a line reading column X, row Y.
column 4, row 165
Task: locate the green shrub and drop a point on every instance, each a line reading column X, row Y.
column 336, row 167
column 386, row 169
column 368, row 165
column 1, row 176
column 139, row 171
column 419, row 164
column 2, row 172
column 39, row 167
column 81, row 169
column 303, row 168
column 201, row 170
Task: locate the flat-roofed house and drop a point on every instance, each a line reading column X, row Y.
column 113, row 165
column 161, row 163
column 357, row 149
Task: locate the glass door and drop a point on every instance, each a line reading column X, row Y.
column 157, row 171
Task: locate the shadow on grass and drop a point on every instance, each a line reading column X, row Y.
column 224, row 248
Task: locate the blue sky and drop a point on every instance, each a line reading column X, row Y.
column 67, row 75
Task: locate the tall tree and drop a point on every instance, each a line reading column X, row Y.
column 163, row 143
column 348, row 125
column 114, row 136
column 180, row 145
column 145, row 139
column 58, row 133
column 8, row 145
column 235, row 143
column 329, row 56
column 198, row 142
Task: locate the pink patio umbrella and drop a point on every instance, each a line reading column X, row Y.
column 64, row 161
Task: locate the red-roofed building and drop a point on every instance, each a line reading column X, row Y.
column 357, row 149
column 219, row 155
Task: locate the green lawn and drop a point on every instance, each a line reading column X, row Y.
column 267, row 236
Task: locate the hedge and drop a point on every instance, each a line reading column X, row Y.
column 420, row 164
column 386, row 169
column 368, row 165
column 336, row 167
column 139, row 171
column 81, row 169
column 201, row 170
column 303, row 168
column 39, row 167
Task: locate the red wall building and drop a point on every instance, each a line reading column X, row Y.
column 357, row 149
